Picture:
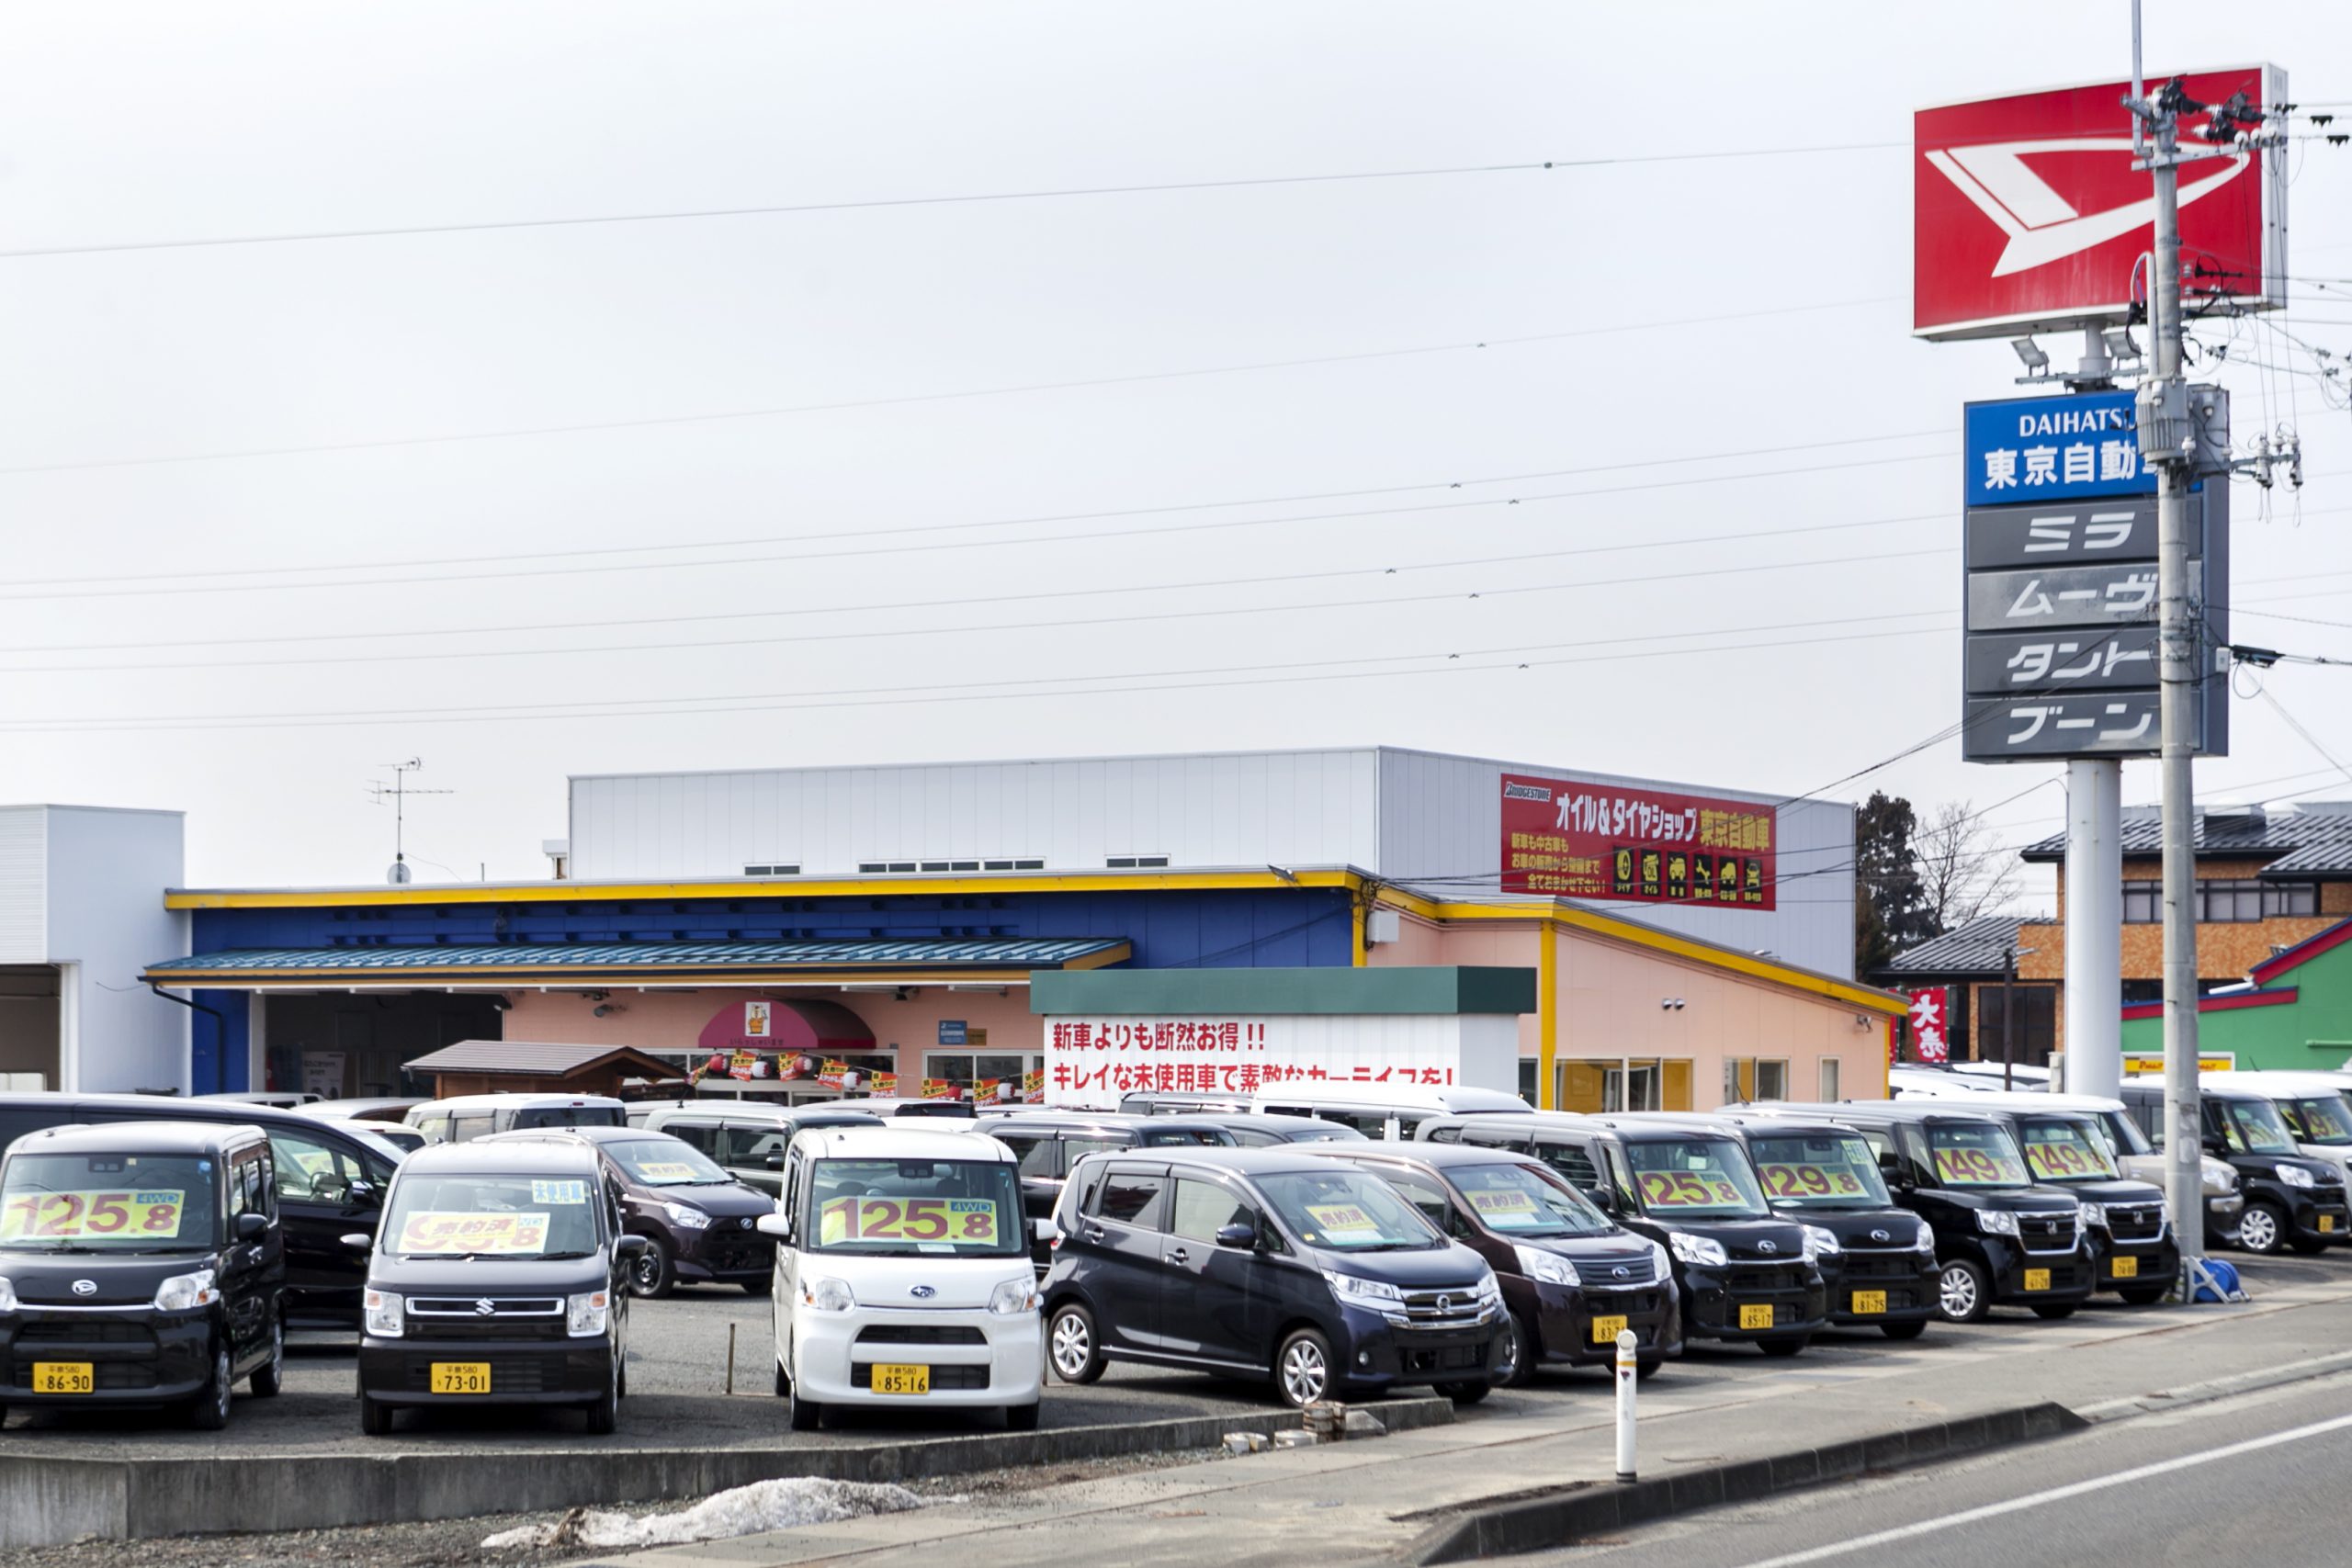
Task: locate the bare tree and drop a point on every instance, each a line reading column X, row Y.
column 1963, row 873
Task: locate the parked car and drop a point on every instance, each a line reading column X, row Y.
column 1378, row 1110
column 747, row 1138
column 1572, row 1278
column 699, row 1223
column 283, row 1099
column 329, row 1179
column 2314, row 1106
column 1049, row 1144
column 1877, row 1261
column 532, row 1229
column 950, row 1109
column 1258, row 1131
column 141, row 1263
column 2292, row 1200
column 1745, row 1274
column 376, row 1110
column 1265, row 1263
column 463, row 1117
column 2135, row 1157
column 902, row 1276
column 2001, row 1237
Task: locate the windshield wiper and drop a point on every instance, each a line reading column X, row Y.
column 546, row 1257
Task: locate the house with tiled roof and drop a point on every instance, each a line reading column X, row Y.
column 1967, row 964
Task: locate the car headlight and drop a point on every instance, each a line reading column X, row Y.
column 1488, row 1289
column 2220, row 1179
column 1924, row 1241
column 1377, row 1295
column 687, row 1215
column 828, row 1295
column 2091, row 1216
column 183, row 1293
column 1702, row 1250
column 383, row 1314
column 1660, row 1264
column 587, row 1312
column 1548, row 1266
column 7, row 1294
column 1011, row 1297
column 1820, row 1242
column 2296, row 1176
column 1996, row 1221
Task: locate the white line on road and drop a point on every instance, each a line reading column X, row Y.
column 2055, row 1494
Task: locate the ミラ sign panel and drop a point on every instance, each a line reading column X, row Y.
column 1638, row 846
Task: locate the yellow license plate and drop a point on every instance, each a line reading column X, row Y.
column 2124, row 1267
column 1869, row 1301
column 1606, row 1329
column 1756, row 1316
column 64, row 1377
column 2327, row 1222
column 460, row 1377
column 889, row 1378
column 2037, row 1278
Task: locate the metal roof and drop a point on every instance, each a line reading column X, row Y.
column 531, row 1058
column 574, row 958
column 1973, row 949
column 2311, row 843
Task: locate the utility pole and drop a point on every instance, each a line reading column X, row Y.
column 2009, row 1018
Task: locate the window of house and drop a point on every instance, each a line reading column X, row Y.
column 2225, row 901
column 2037, row 1023
column 1829, row 1091
column 1754, row 1078
column 968, row 1070
column 1134, row 862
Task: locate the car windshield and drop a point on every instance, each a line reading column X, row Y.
column 2318, row 1118
column 501, row 1215
column 2063, row 1149
column 1695, row 1178
column 114, row 1202
column 2123, row 1135
column 2254, row 1126
column 658, row 1161
column 908, row 1208
column 1819, row 1170
column 570, row 1116
column 1526, row 1199
column 1193, row 1135
column 1968, row 1156
column 1346, row 1212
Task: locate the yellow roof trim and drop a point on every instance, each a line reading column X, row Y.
column 753, row 887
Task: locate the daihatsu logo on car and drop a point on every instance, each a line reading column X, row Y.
column 1768, row 1246
column 85, row 1287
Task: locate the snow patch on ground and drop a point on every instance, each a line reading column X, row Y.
column 787, row 1504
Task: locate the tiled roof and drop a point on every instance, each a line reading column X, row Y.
column 1004, row 953
column 524, row 1058
column 1973, row 949
column 2310, row 844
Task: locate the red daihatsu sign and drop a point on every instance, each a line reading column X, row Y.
column 2028, row 216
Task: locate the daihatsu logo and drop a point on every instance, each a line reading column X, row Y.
column 1768, row 1246
column 85, row 1287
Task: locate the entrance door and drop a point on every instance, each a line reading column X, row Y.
column 30, row 1026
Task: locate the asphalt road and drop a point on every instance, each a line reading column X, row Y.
column 2258, row 1478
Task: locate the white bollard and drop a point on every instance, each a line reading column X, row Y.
column 1625, row 1377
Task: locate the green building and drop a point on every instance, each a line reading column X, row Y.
column 2295, row 1012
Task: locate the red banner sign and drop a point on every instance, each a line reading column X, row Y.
column 1931, row 1024
column 1636, row 846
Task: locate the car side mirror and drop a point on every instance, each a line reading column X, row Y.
column 2219, row 1148
column 628, row 1247
column 1046, row 1230
column 1602, row 1198
column 251, row 1227
column 776, row 1226
column 1241, row 1236
column 774, row 1161
column 358, row 1240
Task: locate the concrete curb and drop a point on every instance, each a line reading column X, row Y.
column 50, row 1501
column 1537, row 1524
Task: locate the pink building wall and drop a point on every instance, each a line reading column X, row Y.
column 674, row 1020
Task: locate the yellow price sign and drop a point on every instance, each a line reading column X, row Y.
column 972, row 1220
column 120, row 1212
column 1493, row 1203
column 665, row 1170
column 1342, row 1221
column 449, row 1230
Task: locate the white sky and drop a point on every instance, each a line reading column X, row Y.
column 136, row 123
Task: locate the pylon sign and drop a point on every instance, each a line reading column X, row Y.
column 2060, row 654
column 2028, row 215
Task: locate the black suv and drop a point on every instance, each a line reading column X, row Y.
column 1265, row 1263
column 696, row 1218
column 1049, row 1144
column 329, row 1179
column 1745, row 1274
column 2001, row 1238
column 2292, row 1200
column 139, row 1265
column 1573, row 1279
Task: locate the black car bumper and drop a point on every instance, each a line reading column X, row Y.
column 2322, row 1219
column 1867, row 1289
column 1373, row 1353
column 2139, row 1265
column 522, row 1372
column 1746, row 1302
column 2021, row 1277
column 139, row 1357
column 1576, row 1326
column 726, row 1254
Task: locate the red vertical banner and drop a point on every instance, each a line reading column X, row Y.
column 1636, row 846
column 1931, row 1024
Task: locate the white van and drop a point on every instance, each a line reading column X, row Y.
column 2314, row 1105
column 462, row 1117
column 1383, row 1111
column 902, row 1275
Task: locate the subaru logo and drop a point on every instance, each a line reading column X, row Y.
column 1881, row 1236
column 485, row 1306
column 922, row 1293
column 1768, row 1246
column 745, row 1223
column 1445, row 1303
column 85, row 1287
column 1621, row 1273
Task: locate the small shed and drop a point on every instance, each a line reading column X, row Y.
column 535, row 1067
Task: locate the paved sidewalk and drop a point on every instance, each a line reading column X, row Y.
column 1372, row 1499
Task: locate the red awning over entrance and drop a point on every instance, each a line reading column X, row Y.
column 816, row 1028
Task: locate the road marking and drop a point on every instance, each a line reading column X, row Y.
column 2055, row 1494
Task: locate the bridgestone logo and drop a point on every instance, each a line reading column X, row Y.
column 1526, row 792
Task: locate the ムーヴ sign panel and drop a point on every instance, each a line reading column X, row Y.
column 1638, row 846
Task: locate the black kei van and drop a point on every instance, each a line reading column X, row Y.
column 140, row 1264
column 1572, row 1277
column 1049, row 1144
column 1878, row 1261
column 1745, row 1274
column 1265, row 1263
column 2130, row 1235
column 2001, row 1238
column 2292, row 1200
column 498, row 1279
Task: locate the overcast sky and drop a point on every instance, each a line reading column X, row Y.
column 1697, row 320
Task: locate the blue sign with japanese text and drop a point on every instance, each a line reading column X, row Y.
column 2023, row 450
column 952, row 1031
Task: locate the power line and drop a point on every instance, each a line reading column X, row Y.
column 871, row 203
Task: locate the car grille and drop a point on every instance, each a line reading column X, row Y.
column 733, row 1254
column 861, row 1375
column 2046, row 1232
column 1462, row 1309
column 471, row 1306
column 477, row 1328
column 94, row 1331
column 508, row 1374
column 921, row 1334
column 2144, row 1222
column 1602, row 1274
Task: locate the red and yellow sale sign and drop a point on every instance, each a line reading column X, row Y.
column 1637, row 846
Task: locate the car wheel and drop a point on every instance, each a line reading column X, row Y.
column 1784, row 1344
column 1522, row 1351
column 2263, row 1228
column 2054, row 1310
column 805, row 1414
column 2146, row 1295
column 375, row 1416
column 1302, row 1369
column 605, row 1414
column 1963, row 1292
column 1071, row 1344
column 1466, row 1392
column 270, row 1376
column 1021, row 1418
column 209, row 1411
column 1904, row 1330
column 655, row 1273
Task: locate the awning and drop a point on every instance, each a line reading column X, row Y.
column 911, row 960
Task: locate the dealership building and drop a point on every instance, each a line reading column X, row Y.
column 1056, row 929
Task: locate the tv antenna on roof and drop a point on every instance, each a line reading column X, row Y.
column 398, row 791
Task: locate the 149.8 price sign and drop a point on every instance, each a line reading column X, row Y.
column 1638, row 846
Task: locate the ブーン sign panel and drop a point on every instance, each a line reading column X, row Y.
column 1636, row 846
